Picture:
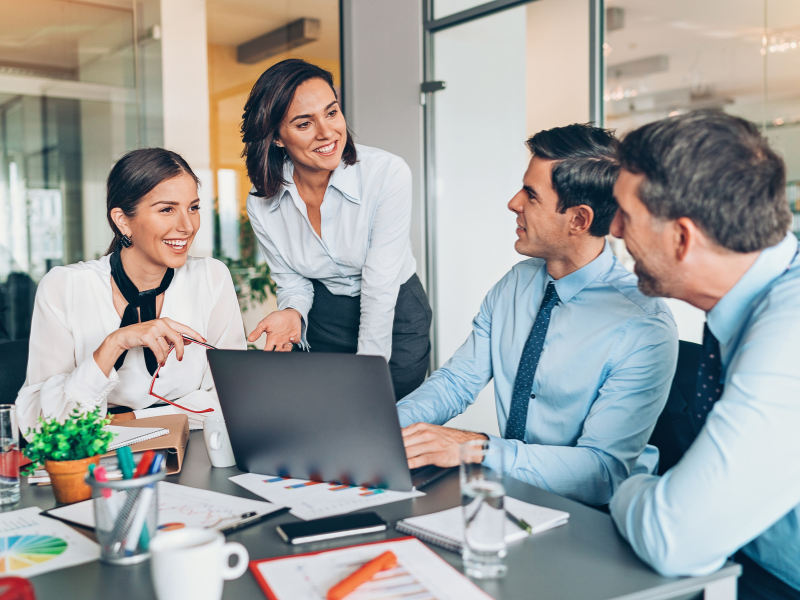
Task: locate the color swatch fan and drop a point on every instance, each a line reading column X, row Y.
column 23, row 551
column 31, row 544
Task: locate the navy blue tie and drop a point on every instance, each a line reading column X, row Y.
column 523, row 384
column 709, row 379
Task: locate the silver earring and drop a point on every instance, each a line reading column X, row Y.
column 126, row 241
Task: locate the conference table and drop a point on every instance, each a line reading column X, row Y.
column 586, row 559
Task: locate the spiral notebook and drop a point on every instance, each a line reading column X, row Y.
column 126, row 436
column 446, row 528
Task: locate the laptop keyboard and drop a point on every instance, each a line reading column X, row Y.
column 419, row 469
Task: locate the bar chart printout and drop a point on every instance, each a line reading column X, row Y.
column 419, row 575
column 314, row 499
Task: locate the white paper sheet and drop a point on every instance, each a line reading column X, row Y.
column 313, row 500
column 180, row 506
column 31, row 544
column 420, row 574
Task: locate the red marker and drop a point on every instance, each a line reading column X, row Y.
column 385, row 561
column 143, row 468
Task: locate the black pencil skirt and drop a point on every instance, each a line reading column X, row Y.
column 333, row 323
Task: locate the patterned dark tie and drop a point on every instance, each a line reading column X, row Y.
column 518, row 414
column 709, row 379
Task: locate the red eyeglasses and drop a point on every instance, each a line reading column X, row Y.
column 155, row 376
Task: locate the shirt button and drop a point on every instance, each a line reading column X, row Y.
column 533, row 396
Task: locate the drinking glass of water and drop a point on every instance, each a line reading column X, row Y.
column 9, row 455
column 482, row 494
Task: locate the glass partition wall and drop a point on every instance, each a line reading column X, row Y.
column 740, row 56
column 500, row 82
column 79, row 86
column 497, row 72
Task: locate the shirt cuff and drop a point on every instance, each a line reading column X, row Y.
column 405, row 414
column 372, row 347
column 303, row 321
column 88, row 385
column 622, row 503
column 508, row 450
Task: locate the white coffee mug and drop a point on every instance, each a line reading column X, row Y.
column 218, row 444
column 191, row 564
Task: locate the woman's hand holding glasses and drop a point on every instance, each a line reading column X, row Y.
column 158, row 335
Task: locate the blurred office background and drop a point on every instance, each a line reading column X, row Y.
column 452, row 86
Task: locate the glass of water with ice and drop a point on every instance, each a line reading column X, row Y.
column 482, row 494
column 9, row 455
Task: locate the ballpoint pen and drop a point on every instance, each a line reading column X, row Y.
column 519, row 522
column 252, row 521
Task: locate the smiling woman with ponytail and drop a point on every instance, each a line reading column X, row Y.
column 101, row 328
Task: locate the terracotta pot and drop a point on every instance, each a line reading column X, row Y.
column 66, row 477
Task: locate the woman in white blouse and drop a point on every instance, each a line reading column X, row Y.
column 333, row 220
column 101, row 328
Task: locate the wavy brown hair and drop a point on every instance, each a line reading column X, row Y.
column 264, row 111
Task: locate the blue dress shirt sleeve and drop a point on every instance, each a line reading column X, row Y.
column 455, row 386
column 294, row 290
column 635, row 386
column 381, row 275
column 741, row 475
column 618, row 426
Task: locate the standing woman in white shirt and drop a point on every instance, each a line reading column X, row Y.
column 102, row 327
column 333, row 219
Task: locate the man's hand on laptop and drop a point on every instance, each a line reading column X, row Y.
column 435, row 445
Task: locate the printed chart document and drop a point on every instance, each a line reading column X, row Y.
column 180, row 506
column 31, row 544
column 313, row 499
column 420, row 574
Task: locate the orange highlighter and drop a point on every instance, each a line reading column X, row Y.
column 385, row 561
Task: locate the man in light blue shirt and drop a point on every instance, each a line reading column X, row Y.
column 703, row 212
column 582, row 361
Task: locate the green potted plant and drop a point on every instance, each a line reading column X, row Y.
column 66, row 449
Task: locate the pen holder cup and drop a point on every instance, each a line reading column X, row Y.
column 126, row 517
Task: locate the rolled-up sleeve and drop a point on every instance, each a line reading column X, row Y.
column 383, row 268
column 455, row 386
column 294, row 290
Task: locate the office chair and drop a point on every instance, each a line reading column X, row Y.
column 674, row 431
column 13, row 365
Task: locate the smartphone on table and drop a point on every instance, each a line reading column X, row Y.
column 330, row 528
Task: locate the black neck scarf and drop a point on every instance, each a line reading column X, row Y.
column 144, row 301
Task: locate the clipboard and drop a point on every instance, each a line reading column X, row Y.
column 174, row 442
column 450, row 584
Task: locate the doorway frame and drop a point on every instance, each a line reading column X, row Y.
column 430, row 26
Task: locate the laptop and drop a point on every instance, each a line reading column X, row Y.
column 321, row 416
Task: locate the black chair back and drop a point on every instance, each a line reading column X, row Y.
column 675, row 431
column 13, row 365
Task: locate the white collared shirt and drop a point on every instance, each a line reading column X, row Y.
column 364, row 248
column 74, row 312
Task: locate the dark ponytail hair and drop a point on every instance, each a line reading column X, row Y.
column 263, row 113
column 134, row 176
